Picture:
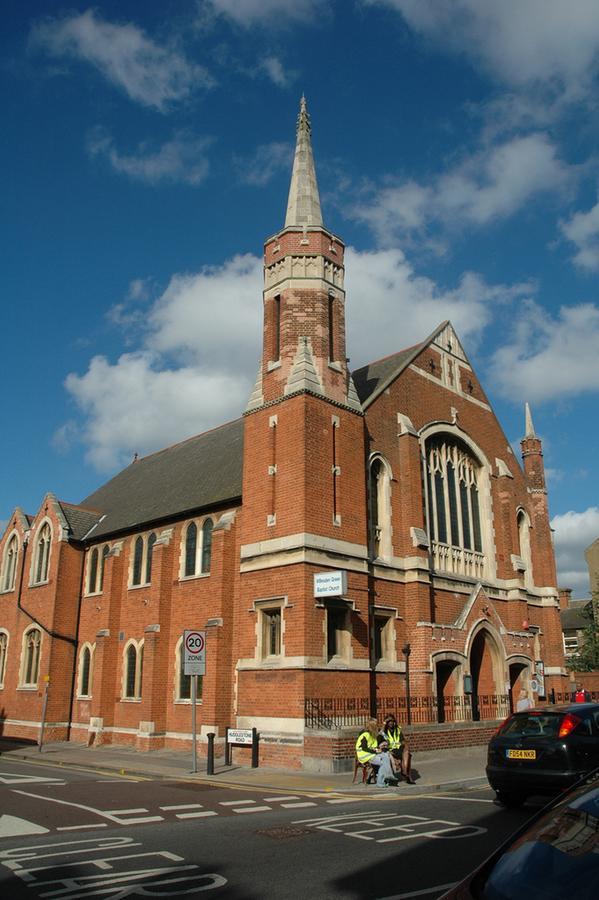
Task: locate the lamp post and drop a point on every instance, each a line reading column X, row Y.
column 406, row 650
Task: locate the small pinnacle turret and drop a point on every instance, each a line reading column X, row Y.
column 303, row 205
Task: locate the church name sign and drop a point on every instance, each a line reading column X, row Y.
column 330, row 584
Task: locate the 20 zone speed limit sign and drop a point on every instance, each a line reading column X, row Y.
column 194, row 652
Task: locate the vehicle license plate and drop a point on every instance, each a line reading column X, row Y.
column 522, row 754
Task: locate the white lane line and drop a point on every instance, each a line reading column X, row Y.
column 235, row 802
column 345, row 800
column 124, row 812
column 251, row 809
column 278, row 799
column 182, row 806
column 465, row 799
column 423, row 893
column 296, row 805
column 98, row 812
column 200, row 815
column 81, row 827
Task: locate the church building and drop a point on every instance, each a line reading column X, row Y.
column 355, row 543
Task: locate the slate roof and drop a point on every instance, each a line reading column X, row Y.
column 573, row 617
column 79, row 520
column 370, row 380
column 202, row 471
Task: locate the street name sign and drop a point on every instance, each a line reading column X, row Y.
column 239, row 736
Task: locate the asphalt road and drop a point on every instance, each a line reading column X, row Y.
column 76, row 834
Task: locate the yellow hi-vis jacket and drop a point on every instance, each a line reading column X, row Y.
column 372, row 744
column 393, row 738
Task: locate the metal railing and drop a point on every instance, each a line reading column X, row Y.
column 337, row 712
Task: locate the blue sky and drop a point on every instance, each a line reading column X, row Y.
column 147, row 150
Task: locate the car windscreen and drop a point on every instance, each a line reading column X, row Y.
column 532, row 724
column 557, row 857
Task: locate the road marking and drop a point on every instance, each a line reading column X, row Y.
column 13, row 826
column 199, row 815
column 374, row 826
column 346, row 800
column 7, row 778
column 81, row 827
column 279, row 799
column 98, row 812
column 423, row 893
column 124, row 812
column 296, row 805
column 182, row 806
column 235, row 802
column 465, row 799
column 252, row 809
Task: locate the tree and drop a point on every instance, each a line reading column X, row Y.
column 588, row 658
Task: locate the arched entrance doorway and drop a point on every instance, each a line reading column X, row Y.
column 449, row 687
column 486, row 669
column 519, row 679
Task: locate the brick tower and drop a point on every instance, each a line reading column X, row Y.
column 304, row 486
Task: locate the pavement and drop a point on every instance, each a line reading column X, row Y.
column 459, row 768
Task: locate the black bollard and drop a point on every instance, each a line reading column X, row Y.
column 255, row 749
column 210, row 760
column 227, row 747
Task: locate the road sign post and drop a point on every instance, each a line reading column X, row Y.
column 194, row 664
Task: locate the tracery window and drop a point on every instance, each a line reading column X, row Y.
column 524, row 542
column 9, row 567
column 454, row 507
column 197, row 551
column 141, row 568
column 42, row 554
column 30, row 659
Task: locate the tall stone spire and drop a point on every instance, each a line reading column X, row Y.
column 303, row 206
column 530, row 428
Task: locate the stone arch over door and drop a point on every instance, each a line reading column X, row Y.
column 448, row 668
column 520, row 671
column 486, row 659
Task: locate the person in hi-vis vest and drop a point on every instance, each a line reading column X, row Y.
column 369, row 751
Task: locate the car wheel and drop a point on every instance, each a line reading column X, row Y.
column 510, row 799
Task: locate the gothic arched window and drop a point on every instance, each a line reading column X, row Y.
column 524, row 542
column 42, row 554
column 3, row 652
column 85, row 671
column 454, row 506
column 133, row 671
column 30, row 660
column 9, row 567
column 207, row 545
column 197, row 549
column 380, row 508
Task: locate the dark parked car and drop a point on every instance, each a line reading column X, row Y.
column 555, row 855
column 543, row 751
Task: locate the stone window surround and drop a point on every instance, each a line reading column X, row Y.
column 485, row 471
column 8, row 584
column 260, row 607
column 343, row 655
column 102, row 550
column 145, row 536
column 389, row 636
column 37, row 549
column 92, row 652
column 199, row 523
column 25, row 654
column 524, row 548
column 382, row 530
column 139, row 646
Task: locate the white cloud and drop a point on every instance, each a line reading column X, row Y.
column 390, row 307
column 265, row 163
column 275, row 70
column 182, row 159
column 574, row 532
column 583, row 230
column 150, row 74
column 199, row 345
column 490, row 185
column 270, row 12
column 520, row 43
column 194, row 369
column 548, row 357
